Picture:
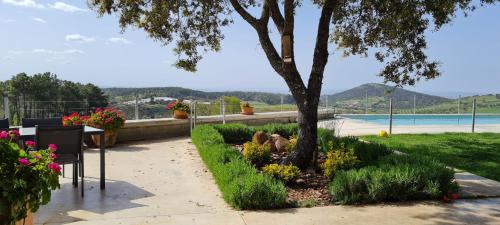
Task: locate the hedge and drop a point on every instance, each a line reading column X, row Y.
column 241, row 186
column 394, row 178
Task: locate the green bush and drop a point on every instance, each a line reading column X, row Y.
column 338, row 160
column 241, row 186
column 281, row 172
column 367, row 153
column 235, row 132
column 285, row 130
column 394, row 178
column 256, row 153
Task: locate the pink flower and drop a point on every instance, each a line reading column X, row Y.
column 14, row 133
column 52, row 147
column 54, row 167
column 24, row 161
column 4, row 135
column 52, row 155
column 30, row 144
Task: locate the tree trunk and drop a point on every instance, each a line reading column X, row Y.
column 307, row 138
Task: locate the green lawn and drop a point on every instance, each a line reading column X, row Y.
column 475, row 153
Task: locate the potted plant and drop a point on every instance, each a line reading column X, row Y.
column 75, row 119
column 28, row 177
column 108, row 119
column 246, row 109
column 179, row 108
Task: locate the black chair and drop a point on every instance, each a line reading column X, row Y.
column 4, row 124
column 69, row 142
column 32, row 122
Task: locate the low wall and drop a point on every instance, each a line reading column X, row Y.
column 165, row 128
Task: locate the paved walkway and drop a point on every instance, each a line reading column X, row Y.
column 165, row 182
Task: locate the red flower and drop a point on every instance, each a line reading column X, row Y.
column 54, row 167
column 453, row 196
column 171, row 105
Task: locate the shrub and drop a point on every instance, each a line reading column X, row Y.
column 291, row 144
column 338, row 160
column 234, row 133
column 257, row 154
column 284, row 130
column 325, row 137
column 395, row 178
column 282, row 172
column 241, row 186
column 368, row 153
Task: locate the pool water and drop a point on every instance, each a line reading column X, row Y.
column 421, row 119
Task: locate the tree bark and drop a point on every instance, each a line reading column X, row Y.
column 307, row 137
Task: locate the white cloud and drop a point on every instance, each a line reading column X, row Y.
column 79, row 38
column 7, row 20
column 119, row 40
column 46, row 51
column 40, row 20
column 66, row 7
column 24, row 3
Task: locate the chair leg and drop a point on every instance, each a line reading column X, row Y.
column 81, row 171
column 63, row 170
column 75, row 175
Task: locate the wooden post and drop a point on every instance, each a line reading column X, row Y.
column 390, row 115
column 473, row 115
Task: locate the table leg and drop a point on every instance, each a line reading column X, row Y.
column 103, row 161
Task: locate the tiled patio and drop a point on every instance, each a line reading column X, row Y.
column 165, row 182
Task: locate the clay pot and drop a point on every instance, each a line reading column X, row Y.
column 109, row 139
column 247, row 110
column 178, row 114
column 26, row 221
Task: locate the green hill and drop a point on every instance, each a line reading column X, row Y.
column 128, row 94
column 354, row 100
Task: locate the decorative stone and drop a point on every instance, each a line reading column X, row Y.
column 271, row 143
column 260, row 137
column 281, row 144
column 300, row 181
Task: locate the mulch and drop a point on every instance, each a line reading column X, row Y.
column 311, row 185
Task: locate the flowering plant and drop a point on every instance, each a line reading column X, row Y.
column 246, row 104
column 26, row 178
column 108, row 119
column 178, row 105
column 74, row 119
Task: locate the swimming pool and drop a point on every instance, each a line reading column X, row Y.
column 423, row 119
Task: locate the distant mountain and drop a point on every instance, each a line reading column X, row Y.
column 378, row 95
column 128, row 94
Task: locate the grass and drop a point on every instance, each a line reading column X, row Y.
column 475, row 153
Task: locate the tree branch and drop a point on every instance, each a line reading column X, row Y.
column 320, row 58
column 244, row 13
column 278, row 19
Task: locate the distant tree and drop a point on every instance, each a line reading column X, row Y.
column 395, row 28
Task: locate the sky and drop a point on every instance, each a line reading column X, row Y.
column 66, row 38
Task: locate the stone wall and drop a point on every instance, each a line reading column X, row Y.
column 165, row 128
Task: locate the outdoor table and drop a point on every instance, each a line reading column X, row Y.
column 29, row 132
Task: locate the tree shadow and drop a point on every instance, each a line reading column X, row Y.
column 119, row 195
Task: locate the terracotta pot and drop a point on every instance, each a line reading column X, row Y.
column 26, row 221
column 178, row 114
column 247, row 110
column 109, row 139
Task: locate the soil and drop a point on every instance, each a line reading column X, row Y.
column 310, row 187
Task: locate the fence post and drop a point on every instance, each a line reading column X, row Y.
column 191, row 108
column 473, row 114
column 458, row 108
column 414, row 109
column 390, row 115
column 223, row 110
column 6, row 107
column 281, row 106
column 366, row 102
column 136, row 111
column 195, row 112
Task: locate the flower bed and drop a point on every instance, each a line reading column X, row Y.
column 245, row 163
